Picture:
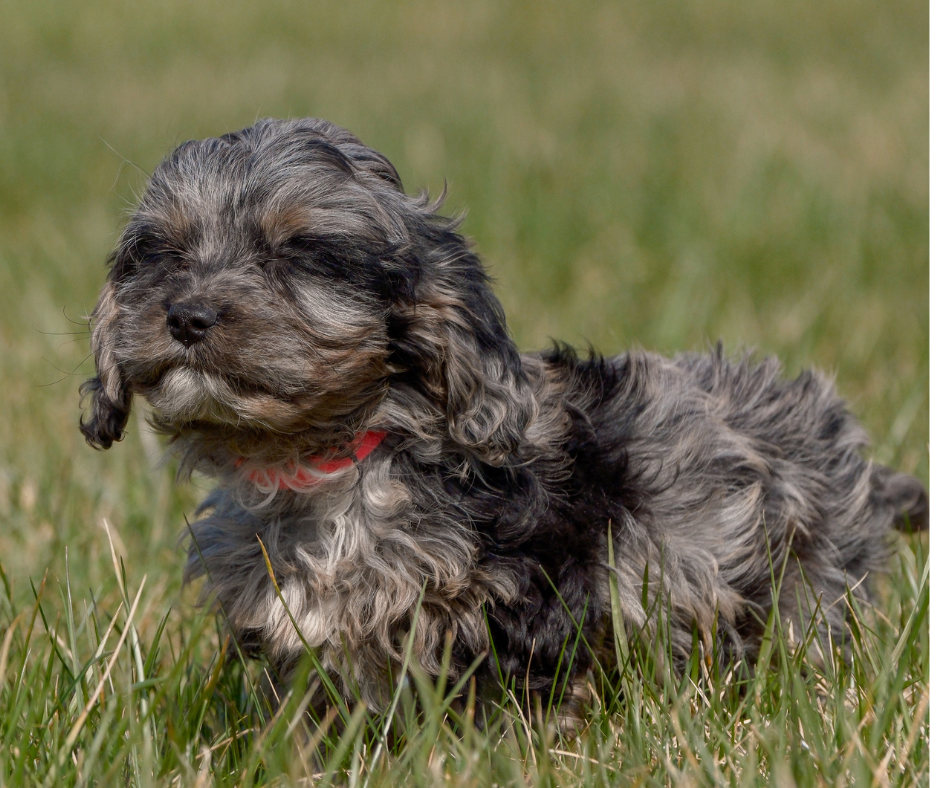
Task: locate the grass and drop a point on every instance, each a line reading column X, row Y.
column 123, row 688
column 660, row 174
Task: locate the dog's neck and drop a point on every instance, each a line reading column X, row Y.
column 314, row 469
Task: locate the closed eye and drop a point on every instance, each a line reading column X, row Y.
column 147, row 255
column 316, row 256
column 339, row 259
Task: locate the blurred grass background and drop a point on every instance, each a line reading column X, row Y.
column 661, row 174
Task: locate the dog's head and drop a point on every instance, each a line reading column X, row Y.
column 277, row 283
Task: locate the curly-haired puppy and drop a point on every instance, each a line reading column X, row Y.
column 330, row 350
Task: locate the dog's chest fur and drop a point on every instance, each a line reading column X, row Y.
column 354, row 561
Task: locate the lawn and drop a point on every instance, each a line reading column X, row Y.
column 664, row 175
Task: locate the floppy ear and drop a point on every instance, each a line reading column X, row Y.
column 110, row 400
column 489, row 404
column 454, row 339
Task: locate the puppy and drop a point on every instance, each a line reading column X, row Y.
column 329, row 349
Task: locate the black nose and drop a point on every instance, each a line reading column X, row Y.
column 190, row 322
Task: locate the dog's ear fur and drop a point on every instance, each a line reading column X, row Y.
column 109, row 399
column 454, row 338
column 488, row 404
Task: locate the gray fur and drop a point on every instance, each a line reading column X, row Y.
column 345, row 305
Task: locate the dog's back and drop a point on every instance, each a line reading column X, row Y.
column 737, row 482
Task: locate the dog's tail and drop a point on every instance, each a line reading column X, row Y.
column 902, row 494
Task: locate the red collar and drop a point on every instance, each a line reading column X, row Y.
column 309, row 473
